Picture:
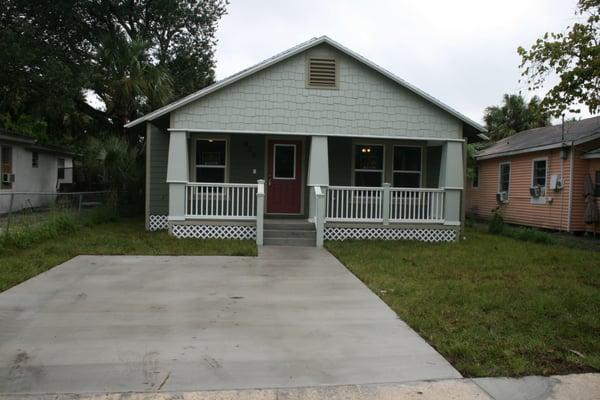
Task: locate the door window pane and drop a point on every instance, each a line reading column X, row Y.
column 285, row 161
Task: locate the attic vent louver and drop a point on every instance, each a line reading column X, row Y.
column 322, row 72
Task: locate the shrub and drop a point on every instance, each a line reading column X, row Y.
column 496, row 225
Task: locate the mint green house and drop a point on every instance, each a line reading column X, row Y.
column 316, row 143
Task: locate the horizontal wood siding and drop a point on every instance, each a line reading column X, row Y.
column 520, row 210
column 159, row 190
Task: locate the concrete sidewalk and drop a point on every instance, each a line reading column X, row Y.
column 567, row 387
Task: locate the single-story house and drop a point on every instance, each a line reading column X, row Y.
column 537, row 177
column 28, row 167
column 314, row 143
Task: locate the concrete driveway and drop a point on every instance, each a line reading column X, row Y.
column 290, row 317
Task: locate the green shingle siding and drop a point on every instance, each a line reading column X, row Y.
column 159, row 190
column 277, row 100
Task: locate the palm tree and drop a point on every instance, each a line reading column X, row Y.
column 127, row 81
column 514, row 115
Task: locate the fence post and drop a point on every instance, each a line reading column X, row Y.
column 10, row 206
column 80, row 201
column 260, row 211
column 386, row 203
column 320, row 215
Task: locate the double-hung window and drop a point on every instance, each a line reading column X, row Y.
column 6, row 166
column 61, row 168
column 211, row 160
column 539, row 175
column 35, row 159
column 504, row 184
column 368, row 165
column 407, row 166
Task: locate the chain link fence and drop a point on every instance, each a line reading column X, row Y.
column 21, row 210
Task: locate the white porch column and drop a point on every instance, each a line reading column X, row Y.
column 318, row 169
column 260, row 212
column 452, row 180
column 177, row 174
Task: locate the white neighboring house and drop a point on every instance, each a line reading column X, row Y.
column 29, row 167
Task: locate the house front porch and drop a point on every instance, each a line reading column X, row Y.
column 228, row 185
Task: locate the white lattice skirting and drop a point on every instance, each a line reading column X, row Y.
column 421, row 234
column 214, row 231
column 157, row 222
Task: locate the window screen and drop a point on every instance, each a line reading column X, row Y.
column 504, row 177
column 210, row 160
column 407, row 166
column 368, row 165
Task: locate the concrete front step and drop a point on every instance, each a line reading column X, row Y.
column 288, row 233
column 290, row 241
column 290, row 225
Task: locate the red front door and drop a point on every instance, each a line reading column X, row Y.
column 284, row 177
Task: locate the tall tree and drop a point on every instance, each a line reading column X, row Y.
column 573, row 56
column 515, row 114
column 134, row 55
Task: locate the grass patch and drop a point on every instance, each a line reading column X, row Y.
column 123, row 237
column 492, row 305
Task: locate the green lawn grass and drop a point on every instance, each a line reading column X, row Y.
column 493, row 306
column 113, row 238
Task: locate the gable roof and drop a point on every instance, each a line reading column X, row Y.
column 289, row 53
column 544, row 138
column 31, row 143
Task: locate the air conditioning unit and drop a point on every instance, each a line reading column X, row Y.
column 502, row 197
column 556, row 182
column 8, row 178
column 535, row 191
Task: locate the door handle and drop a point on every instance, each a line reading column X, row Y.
column 269, row 182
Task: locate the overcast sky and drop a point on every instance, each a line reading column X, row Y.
column 464, row 52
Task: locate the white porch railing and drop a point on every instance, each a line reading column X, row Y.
column 221, row 201
column 352, row 203
column 384, row 204
column 417, row 205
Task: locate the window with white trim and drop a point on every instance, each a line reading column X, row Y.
column 211, row 160
column 504, row 183
column 368, row 165
column 539, row 174
column 407, row 166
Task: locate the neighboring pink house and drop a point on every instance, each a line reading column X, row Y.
column 537, row 176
